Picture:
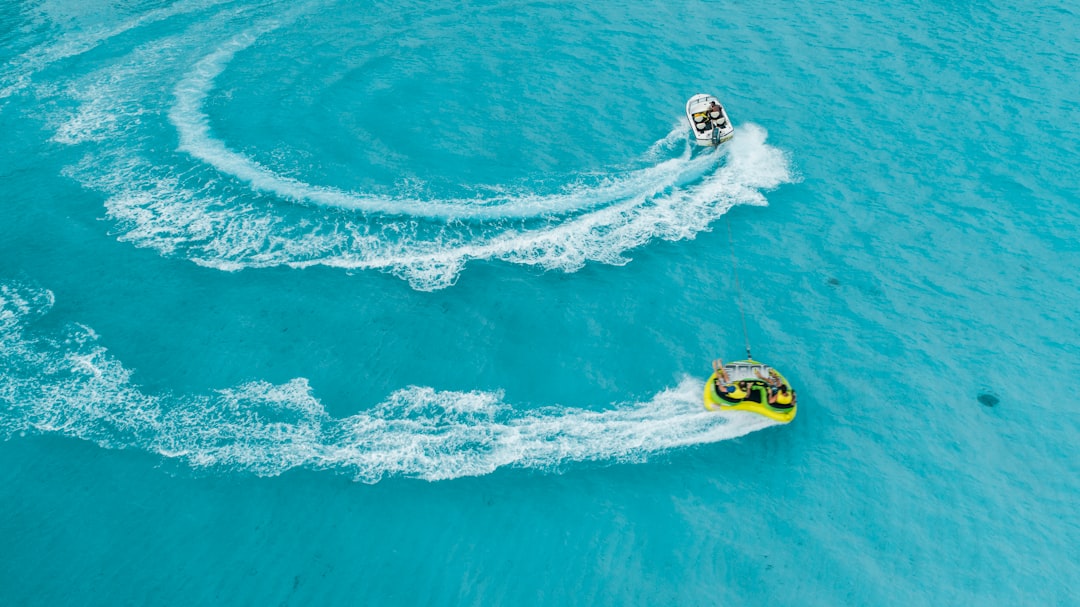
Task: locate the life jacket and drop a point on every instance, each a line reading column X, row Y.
column 735, row 396
column 783, row 398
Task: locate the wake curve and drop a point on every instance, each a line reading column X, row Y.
column 71, row 386
column 170, row 185
column 196, row 139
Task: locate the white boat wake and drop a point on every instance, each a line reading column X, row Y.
column 71, row 386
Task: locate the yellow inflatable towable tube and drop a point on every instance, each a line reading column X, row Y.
column 746, row 390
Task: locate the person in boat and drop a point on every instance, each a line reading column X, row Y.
column 782, row 397
column 779, row 393
column 772, row 378
column 725, row 388
column 716, row 114
column 718, row 368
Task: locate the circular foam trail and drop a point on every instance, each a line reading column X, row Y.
column 192, row 126
column 71, row 386
column 171, row 184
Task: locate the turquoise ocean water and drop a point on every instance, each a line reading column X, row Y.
column 411, row 303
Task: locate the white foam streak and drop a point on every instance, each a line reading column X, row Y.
column 234, row 232
column 193, row 127
column 18, row 74
column 74, row 388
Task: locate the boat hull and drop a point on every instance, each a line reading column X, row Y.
column 709, row 122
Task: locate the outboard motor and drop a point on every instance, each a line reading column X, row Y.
column 716, row 135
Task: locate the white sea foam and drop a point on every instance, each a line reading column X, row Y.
column 71, row 386
column 19, row 72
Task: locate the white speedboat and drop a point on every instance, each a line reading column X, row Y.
column 708, row 120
